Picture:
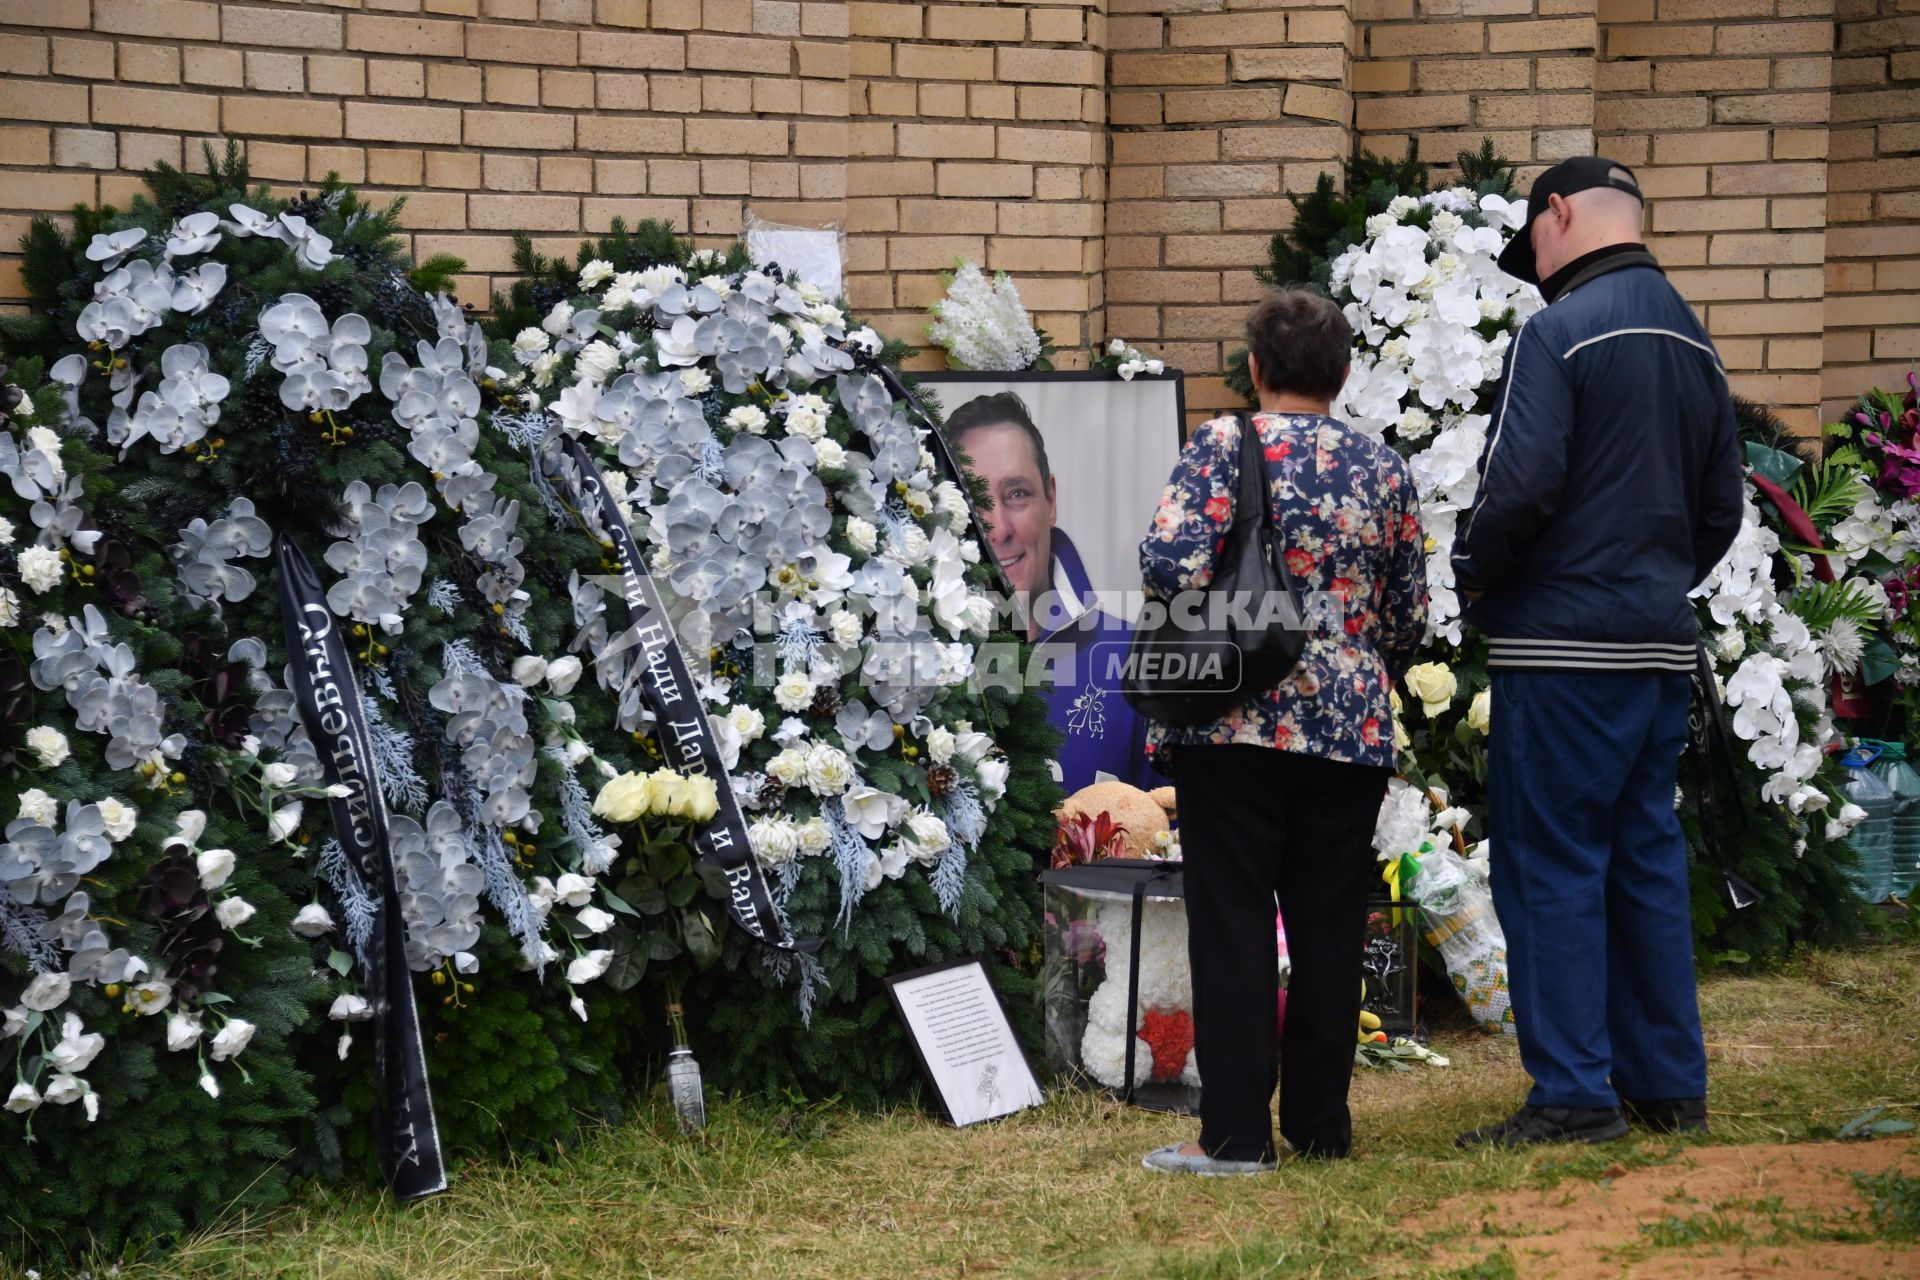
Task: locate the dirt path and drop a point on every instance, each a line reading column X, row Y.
column 1723, row 1212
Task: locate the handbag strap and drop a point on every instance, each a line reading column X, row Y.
column 1160, row 872
column 1252, row 491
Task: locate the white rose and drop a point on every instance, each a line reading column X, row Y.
column 49, row 745
column 928, row 837
column 1414, row 424
column 589, row 966
column 794, row 692
column 595, row 273
column 806, row 424
column 597, row 361
column 577, row 751
column 993, row 776
column 209, row 1084
column 558, row 320
column 748, row 723
column 1116, row 347
column 215, row 867
column 829, row 454
column 774, row 841
column 23, row 1099
column 543, row 369
column 862, row 535
column 562, row 673
column 695, row 382
column 1401, row 206
column 64, row 1089
column 529, row 670
column 940, row 744
column 747, row 418
column 37, row 806
column 233, row 1037
column 233, row 912
column 250, row 747
column 829, row 772
column 815, row 836
column 594, row 920
column 970, row 745
column 573, row 890
column 845, row 627
column 790, row 766
column 1380, row 223
column 192, row 823
column 312, row 921
column 1156, row 367
column 279, row 775
column 183, row 1030
column 528, row 344
column 912, row 546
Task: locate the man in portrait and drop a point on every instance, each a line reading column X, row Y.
column 1103, row 734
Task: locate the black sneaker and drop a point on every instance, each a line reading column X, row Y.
column 1530, row 1125
column 1668, row 1115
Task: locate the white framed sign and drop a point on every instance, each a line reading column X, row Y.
column 960, row 1032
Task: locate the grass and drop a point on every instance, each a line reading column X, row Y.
column 1058, row 1191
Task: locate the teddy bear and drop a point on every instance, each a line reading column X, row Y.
column 1137, row 824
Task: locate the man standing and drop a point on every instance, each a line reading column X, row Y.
column 1610, row 487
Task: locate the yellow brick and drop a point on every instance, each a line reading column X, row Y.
column 1663, row 41
column 281, row 117
column 346, row 77
column 627, row 49
column 1049, row 66
column 1427, row 38
column 535, row 46
column 1229, row 30
column 906, row 253
column 941, row 99
column 516, row 86
column 45, row 191
column 280, row 25
column 1294, row 64
column 985, row 180
column 453, row 169
column 1222, row 105
column 1318, row 103
column 395, row 79
column 1055, row 26
column 519, row 130
column 726, row 95
column 151, row 63
column 1308, row 143
column 1057, row 146
column 729, row 53
column 349, row 164
column 275, row 72
column 620, row 13
column 945, row 141
column 1169, row 68
column 83, row 149
column 736, row 137
column 523, row 213
column 86, row 59
column 1769, row 249
column 23, row 145
column 385, row 122
column 168, row 19
column 1136, row 32
column 394, row 167
column 929, row 62
column 618, row 134
column 149, row 108
column 972, row 23
column 424, row 36
column 991, row 101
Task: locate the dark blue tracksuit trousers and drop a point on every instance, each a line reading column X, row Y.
column 1590, row 881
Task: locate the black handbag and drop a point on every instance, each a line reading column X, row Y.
column 1184, row 670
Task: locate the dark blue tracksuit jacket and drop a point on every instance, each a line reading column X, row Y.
column 1611, row 483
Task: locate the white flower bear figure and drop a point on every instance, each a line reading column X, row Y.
column 1165, row 1019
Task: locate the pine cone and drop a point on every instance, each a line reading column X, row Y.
column 942, row 778
column 773, row 793
column 827, row 702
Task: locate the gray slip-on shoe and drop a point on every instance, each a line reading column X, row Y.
column 1169, row 1160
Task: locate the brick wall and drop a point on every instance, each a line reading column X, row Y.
column 490, row 116
column 1872, row 312
column 1127, row 159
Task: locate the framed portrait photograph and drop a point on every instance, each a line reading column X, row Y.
column 1074, row 463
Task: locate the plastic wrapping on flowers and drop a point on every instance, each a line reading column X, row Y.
column 1433, row 316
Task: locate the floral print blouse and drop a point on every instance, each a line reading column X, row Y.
column 1350, row 521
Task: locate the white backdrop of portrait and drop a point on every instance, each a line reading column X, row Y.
column 1110, row 445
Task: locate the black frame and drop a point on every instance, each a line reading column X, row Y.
column 986, row 974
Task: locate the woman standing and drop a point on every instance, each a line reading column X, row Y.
column 1279, row 796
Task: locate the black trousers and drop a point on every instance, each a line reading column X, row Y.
column 1256, row 824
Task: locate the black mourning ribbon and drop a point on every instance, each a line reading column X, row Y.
column 328, row 699
column 668, row 686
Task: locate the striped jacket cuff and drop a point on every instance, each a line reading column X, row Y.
column 1591, row 655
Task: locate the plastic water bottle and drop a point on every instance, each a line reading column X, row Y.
column 1872, row 839
column 1894, row 769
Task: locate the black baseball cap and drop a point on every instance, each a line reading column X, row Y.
column 1581, row 173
